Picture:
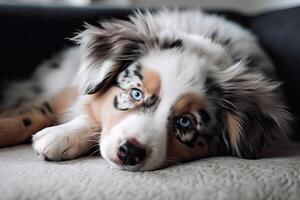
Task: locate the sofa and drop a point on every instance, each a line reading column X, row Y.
column 31, row 33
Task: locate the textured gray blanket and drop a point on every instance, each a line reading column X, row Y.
column 22, row 176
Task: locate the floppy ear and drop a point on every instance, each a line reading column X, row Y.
column 251, row 110
column 106, row 51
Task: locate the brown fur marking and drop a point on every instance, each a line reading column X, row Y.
column 182, row 152
column 151, row 82
column 188, row 103
column 234, row 129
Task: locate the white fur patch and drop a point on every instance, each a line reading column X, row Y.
column 62, row 142
column 123, row 102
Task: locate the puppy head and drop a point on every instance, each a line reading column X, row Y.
column 164, row 98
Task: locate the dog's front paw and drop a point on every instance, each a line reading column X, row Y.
column 55, row 144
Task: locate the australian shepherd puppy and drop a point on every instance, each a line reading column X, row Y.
column 154, row 90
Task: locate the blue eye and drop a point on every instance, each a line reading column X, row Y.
column 136, row 94
column 184, row 122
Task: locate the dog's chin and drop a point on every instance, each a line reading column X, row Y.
column 136, row 168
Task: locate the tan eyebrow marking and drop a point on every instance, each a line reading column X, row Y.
column 187, row 103
column 151, row 87
column 151, row 82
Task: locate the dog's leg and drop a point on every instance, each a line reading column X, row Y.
column 66, row 141
column 19, row 124
column 19, row 128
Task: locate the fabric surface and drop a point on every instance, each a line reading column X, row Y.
column 276, row 176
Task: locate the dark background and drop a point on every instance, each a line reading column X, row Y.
column 31, row 34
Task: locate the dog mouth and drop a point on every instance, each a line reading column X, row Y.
column 131, row 155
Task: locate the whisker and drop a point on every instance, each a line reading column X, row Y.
column 171, row 160
column 96, row 151
column 93, row 146
column 92, row 136
column 88, row 141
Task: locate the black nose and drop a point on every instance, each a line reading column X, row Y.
column 131, row 154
